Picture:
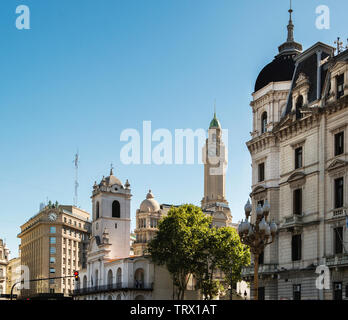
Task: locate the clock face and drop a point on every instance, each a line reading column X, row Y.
column 52, row 216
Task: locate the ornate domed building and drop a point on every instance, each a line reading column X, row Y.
column 147, row 218
column 298, row 149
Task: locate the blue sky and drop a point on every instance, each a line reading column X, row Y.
column 87, row 69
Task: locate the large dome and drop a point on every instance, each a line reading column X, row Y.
column 149, row 204
column 280, row 69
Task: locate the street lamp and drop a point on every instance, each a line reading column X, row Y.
column 257, row 236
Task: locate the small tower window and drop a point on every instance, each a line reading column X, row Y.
column 340, row 86
column 116, row 212
column 264, row 122
column 97, row 211
column 299, row 104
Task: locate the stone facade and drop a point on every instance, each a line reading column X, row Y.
column 54, row 244
column 301, row 153
column 4, row 258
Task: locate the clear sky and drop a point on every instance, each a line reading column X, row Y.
column 88, row 69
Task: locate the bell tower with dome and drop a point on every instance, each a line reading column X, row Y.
column 111, row 217
column 214, row 155
column 147, row 217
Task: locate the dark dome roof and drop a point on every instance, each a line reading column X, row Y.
column 280, row 69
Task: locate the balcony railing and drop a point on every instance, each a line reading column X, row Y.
column 340, row 212
column 337, row 260
column 263, row 268
column 114, row 287
column 292, row 221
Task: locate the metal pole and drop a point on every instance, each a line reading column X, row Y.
column 33, row 280
column 256, row 277
column 11, row 295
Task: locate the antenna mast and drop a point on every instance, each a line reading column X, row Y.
column 76, row 163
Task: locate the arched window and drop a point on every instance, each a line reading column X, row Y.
column 299, row 104
column 116, row 212
column 264, row 122
column 110, row 279
column 97, row 211
column 139, row 278
column 119, row 278
column 110, row 297
column 85, row 282
column 118, row 297
column 96, row 278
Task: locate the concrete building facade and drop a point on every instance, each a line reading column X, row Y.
column 54, row 244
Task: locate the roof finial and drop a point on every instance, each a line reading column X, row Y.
column 111, row 170
column 339, row 45
column 290, row 25
column 214, row 108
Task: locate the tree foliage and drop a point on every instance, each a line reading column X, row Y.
column 187, row 244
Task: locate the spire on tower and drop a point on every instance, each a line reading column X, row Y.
column 290, row 25
column 111, row 170
column 290, row 46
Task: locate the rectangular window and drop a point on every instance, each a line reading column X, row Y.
column 261, row 293
column 339, row 143
column 261, row 258
column 298, row 158
column 52, row 270
column 51, row 281
column 52, row 240
column 52, row 229
column 52, row 250
column 296, row 245
column 261, row 172
column 340, row 86
column 297, row 199
column 52, row 260
column 338, row 193
column 338, row 240
column 296, row 292
column 337, row 291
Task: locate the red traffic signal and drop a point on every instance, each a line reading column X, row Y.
column 76, row 275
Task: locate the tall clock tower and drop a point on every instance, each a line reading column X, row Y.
column 215, row 163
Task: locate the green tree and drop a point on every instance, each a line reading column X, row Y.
column 235, row 256
column 179, row 242
column 222, row 250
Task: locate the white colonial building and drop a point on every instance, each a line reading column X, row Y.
column 112, row 273
column 299, row 151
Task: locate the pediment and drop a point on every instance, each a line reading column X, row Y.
column 259, row 189
column 284, row 122
column 296, row 176
column 336, row 164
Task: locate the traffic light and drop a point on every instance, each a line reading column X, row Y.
column 76, row 275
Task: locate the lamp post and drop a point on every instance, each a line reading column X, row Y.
column 257, row 236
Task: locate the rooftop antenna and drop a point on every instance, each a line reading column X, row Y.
column 76, row 163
